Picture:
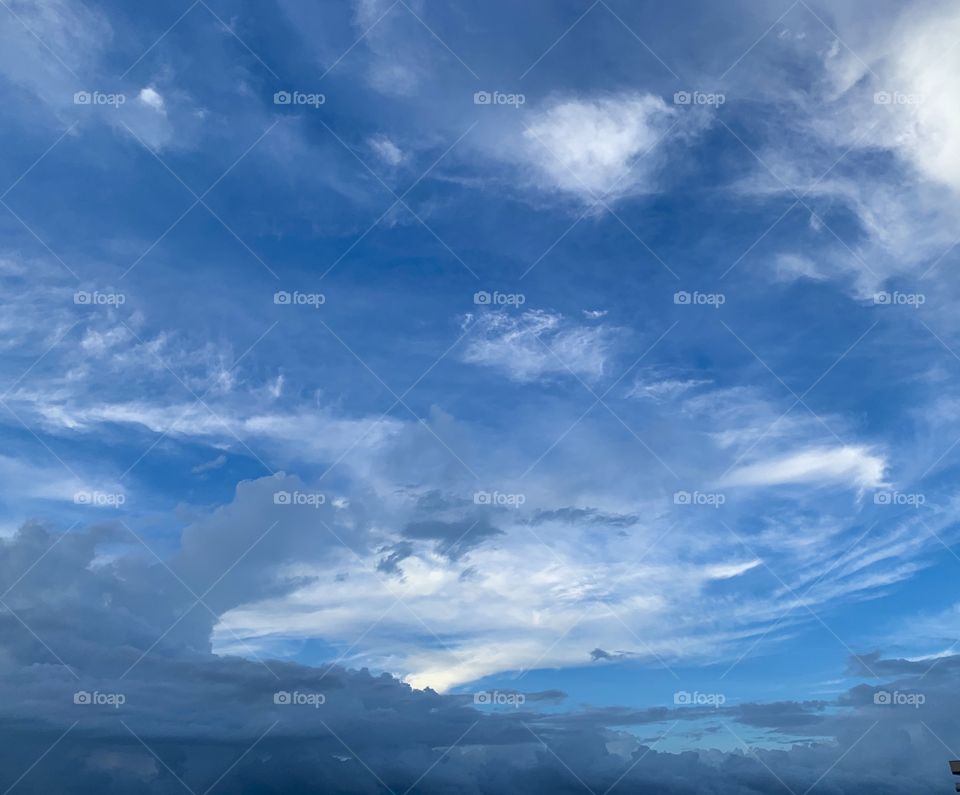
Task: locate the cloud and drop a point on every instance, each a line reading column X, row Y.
column 209, row 466
column 601, row 654
column 537, row 343
column 584, row 516
column 661, row 389
column 591, row 147
column 501, row 600
column 396, row 554
column 387, row 150
column 851, row 466
column 453, row 539
column 794, row 266
column 191, row 717
column 907, row 89
column 149, row 97
column 873, row 141
column 395, row 62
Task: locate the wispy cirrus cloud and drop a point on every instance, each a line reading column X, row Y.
column 533, row 344
column 851, row 466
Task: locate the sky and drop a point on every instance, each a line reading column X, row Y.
column 406, row 397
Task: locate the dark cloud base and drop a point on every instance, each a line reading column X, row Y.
column 192, row 721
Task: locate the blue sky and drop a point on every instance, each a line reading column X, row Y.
column 600, row 353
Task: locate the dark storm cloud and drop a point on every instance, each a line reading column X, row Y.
column 784, row 715
column 124, row 625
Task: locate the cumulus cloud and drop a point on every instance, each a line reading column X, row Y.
column 591, row 147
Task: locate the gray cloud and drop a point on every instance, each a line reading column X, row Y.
column 200, row 712
column 453, row 539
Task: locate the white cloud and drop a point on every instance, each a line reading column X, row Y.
column 597, row 146
column 80, row 37
column 393, row 66
column 879, row 137
column 387, row 150
column 308, row 435
column 911, row 92
column 533, row 344
column 73, row 30
column 208, row 466
column 853, row 466
column 665, row 388
column 727, row 571
column 795, row 266
column 149, row 97
column 547, row 599
column 523, row 607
